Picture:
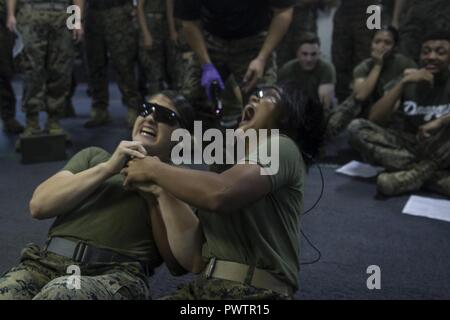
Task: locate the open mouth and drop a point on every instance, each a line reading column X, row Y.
column 248, row 114
column 148, row 132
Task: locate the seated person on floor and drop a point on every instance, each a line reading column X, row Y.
column 114, row 235
column 250, row 213
column 408, row 129
column 310, row 72
column 370, row 79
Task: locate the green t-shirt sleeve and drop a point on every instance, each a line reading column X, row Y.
column 279, row 159
column 328, row 74
column 361, row 70
column 85, row 159
column 287, row 71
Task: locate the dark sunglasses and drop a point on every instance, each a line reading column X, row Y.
column 160, row 114
column 271, row 92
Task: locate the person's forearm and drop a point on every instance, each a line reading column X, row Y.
column 383, row 108
column 141, row 18
column 80, row 4
column 446, row 120
column 11, row 4
column 398, row 9
column 183, row 232
column 205, row 193
column 170, row 16
column 278, row 28
column 196, row 41
column 364, row 89
column 64, row 191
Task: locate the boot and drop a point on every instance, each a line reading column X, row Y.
column 54, row 127
column 401, row 182
column 31, row 128
column 11, row 125
column 99, row 117
column 439, row 183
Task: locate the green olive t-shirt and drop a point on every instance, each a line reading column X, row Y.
column 264, row 234
column 111, row 217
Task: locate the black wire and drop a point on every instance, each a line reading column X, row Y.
column 319, row 254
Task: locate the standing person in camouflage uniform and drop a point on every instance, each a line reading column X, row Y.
column 351, row 40
column 158, row 43
column 422, row 17
column 415, row 146
column 250, row 220
column 7, row 96
column 231, row 37
column 110, row 30
column 49, row 52
column 112, row 234
column 303, row 20
column 371, row 78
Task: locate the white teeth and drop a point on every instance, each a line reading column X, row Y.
column 148, row 131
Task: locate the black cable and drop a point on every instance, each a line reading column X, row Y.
column 319, row 254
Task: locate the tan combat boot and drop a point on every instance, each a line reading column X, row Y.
column 401, row 182
column 439, row 183
column 54, row 127
column 31, row 128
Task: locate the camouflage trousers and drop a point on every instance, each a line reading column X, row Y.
column 421, row 18
column 111, row 31
column 303, row 20
column 397, row 150
column 7, row 97
column 342, row 115
column 162, row 62
column 47, row 60
column 43, row 276
column 218, row 289
column 230, row 57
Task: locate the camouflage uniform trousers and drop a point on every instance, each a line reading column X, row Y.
column 398, row 150
column 230, row 57
column 111, row 31
column 339, row 118
column 42, row 276
column 47, row 59
column 218, row 289
column 421, row 18
column 162, row 61
column 7, row 97
column 303, row 20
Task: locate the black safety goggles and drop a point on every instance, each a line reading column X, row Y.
column 160, row 114
column 272, row 93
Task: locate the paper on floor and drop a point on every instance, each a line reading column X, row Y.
column 359, row 169
column 428, row 207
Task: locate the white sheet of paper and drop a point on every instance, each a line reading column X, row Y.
column 359, row 169
column 428, row 207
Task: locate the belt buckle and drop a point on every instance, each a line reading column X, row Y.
column 210, row 267
column 79, row 252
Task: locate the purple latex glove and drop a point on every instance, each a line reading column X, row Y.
column 210, row 74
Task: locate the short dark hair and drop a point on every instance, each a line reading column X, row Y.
column 392, row 30
column 183, row 107
column 436, row 35
column 308, row 37
column 302, row 119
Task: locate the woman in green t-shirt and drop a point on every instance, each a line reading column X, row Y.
column 105, row 241
column 248, row 246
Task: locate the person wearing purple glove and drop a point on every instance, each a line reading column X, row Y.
column 235, row 37
column 209, row 75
